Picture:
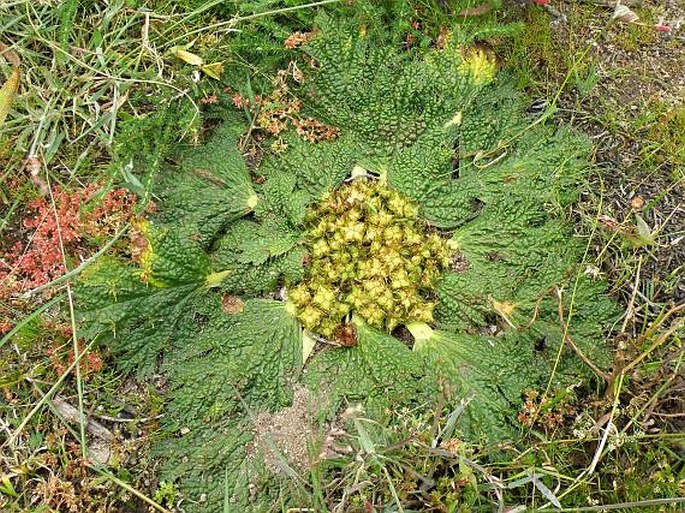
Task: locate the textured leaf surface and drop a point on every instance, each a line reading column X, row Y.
column 380, row 373
column 240, row 364
column 259, row 256
column 491, row 384
column 136, row 319
column 481, row 173
column 211, row 188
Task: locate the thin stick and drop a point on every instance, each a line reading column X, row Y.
column 630, row 311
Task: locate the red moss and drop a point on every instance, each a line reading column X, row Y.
column 67, row 231
column 89, row 364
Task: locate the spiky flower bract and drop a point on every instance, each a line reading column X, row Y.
column 453, row 151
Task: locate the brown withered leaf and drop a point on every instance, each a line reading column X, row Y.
column 232, row 304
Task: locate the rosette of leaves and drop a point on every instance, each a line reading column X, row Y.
column 207, row 303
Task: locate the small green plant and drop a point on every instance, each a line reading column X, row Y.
column 166, row 494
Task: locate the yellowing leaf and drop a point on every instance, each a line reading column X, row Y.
column 455, row 121
column 213, row 70
column 186, row 56
column 480, row 63
column 7, row 92
column 505, row 310
column 308, row 344
column 644, row 233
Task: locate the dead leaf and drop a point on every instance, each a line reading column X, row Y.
column 637, row 202
column 505, row 310
column 10, row 55
column 213, row 70
column 232, row 304
column 624, row 14
column 35, row 166
column 644, row 233
column 182, row 53
column 609, row 223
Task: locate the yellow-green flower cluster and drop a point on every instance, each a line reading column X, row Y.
column 370, row 254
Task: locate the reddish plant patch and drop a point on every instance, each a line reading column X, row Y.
column 58, row 232
column 61, row 360
column 280, row 110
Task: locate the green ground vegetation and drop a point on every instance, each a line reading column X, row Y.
column 119, row 100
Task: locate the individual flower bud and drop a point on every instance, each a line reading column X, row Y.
column 356, row 197
column 406, row 301
column 385, row 193
column 327, row 328
column 385, row 300
column 319, row 230
column 396, row 205
column 400, row 279
column 376, row 247
column 435, row 243
column 416, row 260
column 341, row 309
column 355, row 214
column 392, row 260
column 376, row 268
column 427, row 277
column 423, row 313
column 373, row 287
column 299, row 295
column 324, row 298
column 393, row 234
column 332, row 273
column 310, row 317
column 445, row 261
column 381, row 219
column 354, row 232
column 411, row 237
column 337, row 243
column 374, row 204
column 392, row 323
column 371, row 234
column 374, row 315
column 352, row 295
column 341, row 257
column 320, row 248
column 410, row 211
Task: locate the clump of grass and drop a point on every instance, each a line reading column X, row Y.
column 664, row 131
column 93, row 106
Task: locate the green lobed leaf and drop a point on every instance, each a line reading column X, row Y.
column 380, row 372
column 210, row 188
column 240, row 364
